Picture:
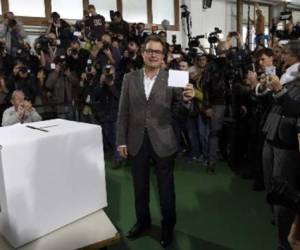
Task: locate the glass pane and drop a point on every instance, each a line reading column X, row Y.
column 135, row 11
column 104, row 6
column 163, row 10
column 34, row 8
column 68, row 9
column 245, row 13
column 296, row 16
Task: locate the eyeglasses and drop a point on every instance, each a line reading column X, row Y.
column 154, row 52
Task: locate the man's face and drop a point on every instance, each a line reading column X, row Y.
column 153, row 54
column 117, row 19
column 183, row 65
column 91, row 11
column 289, row 59
column 106, row 39
column 18, row 99
column 265, row 61
column 132, row 47
column 202, row 61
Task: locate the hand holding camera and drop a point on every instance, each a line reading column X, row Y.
column 108, row 75
column 188, row 92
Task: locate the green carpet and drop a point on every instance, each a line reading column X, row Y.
column 214, row 212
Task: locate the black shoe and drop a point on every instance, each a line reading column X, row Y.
column 137, row 230
column 166, row 237
column 210, row 167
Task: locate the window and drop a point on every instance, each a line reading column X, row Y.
column 103, row 7
column 135, row 11
column 266, row 13
column 68, row 9
column 34, row 8
column 296, row 16
column 37, row 12
column 163, row 10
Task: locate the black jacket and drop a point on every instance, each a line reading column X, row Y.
column 280, row 127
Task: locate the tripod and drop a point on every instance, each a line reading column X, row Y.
column 248, row 28
column 185, row 14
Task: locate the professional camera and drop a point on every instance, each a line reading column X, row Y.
column 213, row 36
column 177, row 47
column 194, row 41
column 106, row 46
column 108, row 73
column 74, row 52
column 61, row 61
column 283, row 194
column 3, row 51
column 24, row 70
column 42, row 44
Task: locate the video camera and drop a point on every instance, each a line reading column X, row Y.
column 213, row 36
column 239, row 62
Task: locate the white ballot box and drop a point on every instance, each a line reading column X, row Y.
column 91, row 232
column 51, row 174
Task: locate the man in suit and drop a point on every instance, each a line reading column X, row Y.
column 144, row 132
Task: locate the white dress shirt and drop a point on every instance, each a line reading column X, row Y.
column 148, row 84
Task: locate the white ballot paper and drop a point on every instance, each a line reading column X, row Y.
column 178, row 78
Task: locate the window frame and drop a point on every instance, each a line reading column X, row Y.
column 43, row 21
column 269, row 15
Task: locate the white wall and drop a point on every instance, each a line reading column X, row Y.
column 222, row 14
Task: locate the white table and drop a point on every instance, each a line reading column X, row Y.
column 49, row 179
column 92, row 232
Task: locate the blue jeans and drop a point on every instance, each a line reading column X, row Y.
column 216, row 124
column 109, row 138
column 192, row 130
column 203, row 130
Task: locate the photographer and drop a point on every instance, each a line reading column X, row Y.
column 107, row 54
column 13, row 32
column 21, row 111
column 63, row 85
column 94, row 24
column 6, row 60
column 132, row 58
column 47, row 47
column 77, row 57
column 140, row 34
column 88, row 82
column 281, row 151
column 214, row 86
column 118, row 25
column 105, row 109
column 27, row 58
column 61, row 29
column 22, row 79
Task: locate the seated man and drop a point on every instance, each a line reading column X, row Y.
column 21, row 111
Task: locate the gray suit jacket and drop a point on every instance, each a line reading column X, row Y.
column 136, row 114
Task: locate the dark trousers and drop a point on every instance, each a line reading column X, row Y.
column 165, row 179
column 282, row 163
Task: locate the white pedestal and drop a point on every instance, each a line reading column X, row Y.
column 49, row 179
